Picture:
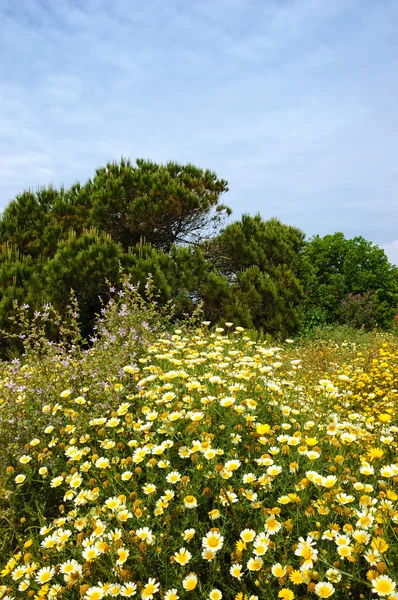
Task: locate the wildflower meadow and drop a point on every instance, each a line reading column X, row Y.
column 190, row 461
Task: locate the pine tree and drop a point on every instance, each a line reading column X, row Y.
column 20, row 282
column 83, row 264
column 161, row 204
column 260, row 259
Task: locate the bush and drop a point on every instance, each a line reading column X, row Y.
column 359, row 310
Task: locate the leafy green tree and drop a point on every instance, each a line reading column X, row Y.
column 162, row 204
column 332, row 267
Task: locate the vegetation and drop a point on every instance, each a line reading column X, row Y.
column 181, row 461
column 167, row 222
column 350, row 281
column 261, row 261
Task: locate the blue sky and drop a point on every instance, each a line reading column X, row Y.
column 294, row 102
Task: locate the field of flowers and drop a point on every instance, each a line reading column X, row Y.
column 204, row 466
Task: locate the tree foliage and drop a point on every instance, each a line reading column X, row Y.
column 162, row 204
column 29, row 223
column 83, row 264
column 143, row 219
column 333, row 267
column 253, row 241
column 260, row 259
column 20, row 281
column 163, row 222
column 177, row 275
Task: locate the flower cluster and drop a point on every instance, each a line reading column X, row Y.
column 212, row 466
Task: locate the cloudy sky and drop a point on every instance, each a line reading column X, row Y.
column 294, row 102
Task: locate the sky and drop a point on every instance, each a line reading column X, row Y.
column 294, row 102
